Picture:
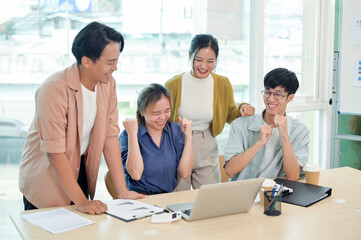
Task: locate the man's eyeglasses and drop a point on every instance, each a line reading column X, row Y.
column 276, row 95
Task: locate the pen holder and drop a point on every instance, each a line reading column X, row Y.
column 272, row 203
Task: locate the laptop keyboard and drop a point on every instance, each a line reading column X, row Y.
column 187, row 211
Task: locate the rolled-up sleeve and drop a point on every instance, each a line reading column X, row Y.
column 235, row 144
column 51, row 118
column 113, row 126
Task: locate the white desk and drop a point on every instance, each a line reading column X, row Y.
column 323, row 220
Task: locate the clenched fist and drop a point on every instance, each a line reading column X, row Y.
column 131, row 125
column 186, row 126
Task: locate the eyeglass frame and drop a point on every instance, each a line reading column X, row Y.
column 273, row 93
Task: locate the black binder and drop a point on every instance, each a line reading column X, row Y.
column 304, row 194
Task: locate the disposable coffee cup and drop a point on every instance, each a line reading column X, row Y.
column 312, row 172
column 268, row 185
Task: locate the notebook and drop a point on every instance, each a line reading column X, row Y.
column 304, row 194
column 220, row 199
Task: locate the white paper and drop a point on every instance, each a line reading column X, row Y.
column 356, row 29
column 131, row 209
column 356, row 71
column 57, row 220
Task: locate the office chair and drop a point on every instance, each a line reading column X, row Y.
column 224, row 176
column 109, row 184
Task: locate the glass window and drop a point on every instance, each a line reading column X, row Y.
column 291, row 40
column 229, row 22
column 349, row 155
column 36, row 39
column 310, row 120
column 349, row 151
column 350, row 124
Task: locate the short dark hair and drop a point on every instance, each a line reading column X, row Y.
column 149, row 95
column 92, row 40
column 203, row 41
column 282, row 77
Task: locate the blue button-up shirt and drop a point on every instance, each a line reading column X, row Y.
column 160, row 163
column 245, row 132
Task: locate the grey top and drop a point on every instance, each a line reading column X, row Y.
column 245, row 132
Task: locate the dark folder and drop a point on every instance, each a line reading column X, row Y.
column 304, row 194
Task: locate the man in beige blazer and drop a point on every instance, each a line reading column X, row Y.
column 76, row 120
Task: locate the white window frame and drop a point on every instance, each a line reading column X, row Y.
column 324, row 71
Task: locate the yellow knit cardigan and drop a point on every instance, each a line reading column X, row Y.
column 224, row 106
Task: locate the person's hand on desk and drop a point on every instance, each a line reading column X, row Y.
column 131, row 195
column 92, row 207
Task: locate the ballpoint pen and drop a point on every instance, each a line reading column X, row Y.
column 274, row 200
column 274, row 190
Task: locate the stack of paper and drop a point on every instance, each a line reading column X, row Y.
column 57, row 220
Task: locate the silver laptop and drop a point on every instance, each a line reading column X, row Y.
column 220, row 199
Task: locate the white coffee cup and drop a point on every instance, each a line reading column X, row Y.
column 312, row 172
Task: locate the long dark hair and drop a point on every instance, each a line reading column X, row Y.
column 149, row 95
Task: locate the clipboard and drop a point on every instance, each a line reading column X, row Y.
column 304, row 194
column 130, row 210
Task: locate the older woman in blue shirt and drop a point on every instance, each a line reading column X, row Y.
column 154, row 151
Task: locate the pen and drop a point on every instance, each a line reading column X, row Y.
column 274, row 191
column 274, row 200
column 274, row 197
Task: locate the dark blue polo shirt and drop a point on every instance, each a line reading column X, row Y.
column 160, row 163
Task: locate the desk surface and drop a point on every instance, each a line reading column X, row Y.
column 323, row 220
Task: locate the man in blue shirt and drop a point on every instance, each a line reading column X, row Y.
column 269, row 144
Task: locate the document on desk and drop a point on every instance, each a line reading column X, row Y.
column 129, row 210
column 58, row 220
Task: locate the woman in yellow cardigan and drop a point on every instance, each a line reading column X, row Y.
column 207, row 99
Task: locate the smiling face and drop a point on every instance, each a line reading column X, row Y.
column 101, row 70
column 204, row 63
column 274, row 106
column 156, row 115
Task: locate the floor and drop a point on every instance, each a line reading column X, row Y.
column 11, row 198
